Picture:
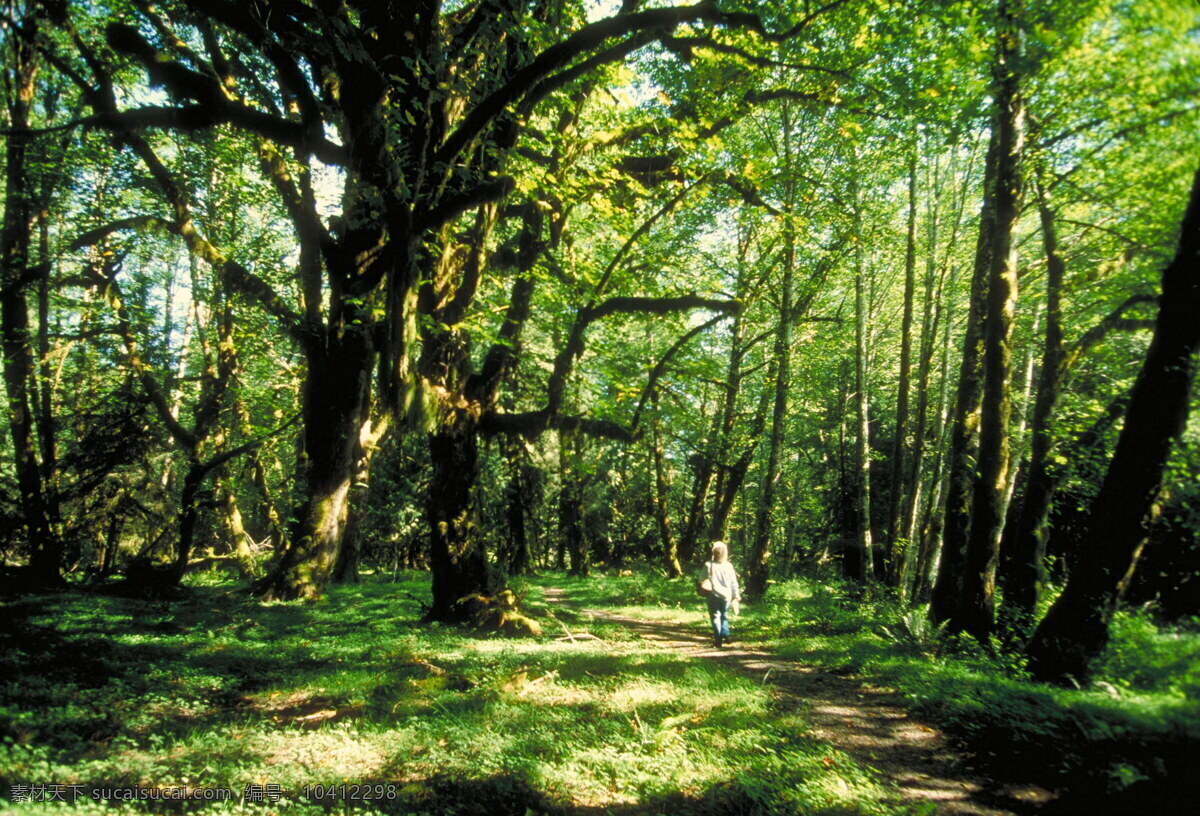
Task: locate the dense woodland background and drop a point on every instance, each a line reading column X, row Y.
column 504, row 286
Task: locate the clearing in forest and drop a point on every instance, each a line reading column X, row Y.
column 620, row 708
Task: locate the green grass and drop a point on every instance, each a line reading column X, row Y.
column 217, row 690
column 1139, row 722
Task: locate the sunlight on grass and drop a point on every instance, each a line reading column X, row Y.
column 219, row 691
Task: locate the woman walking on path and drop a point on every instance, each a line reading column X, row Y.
column 725, row 593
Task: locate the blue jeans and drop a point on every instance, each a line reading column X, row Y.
column 718, row 612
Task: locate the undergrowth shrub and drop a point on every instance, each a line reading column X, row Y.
column 1143, row 656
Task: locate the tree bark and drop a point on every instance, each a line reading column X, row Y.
column 1024, row 546
column 976, row 614
column 964, row 436
column 335, row 409
column 570, row 508
column 457, row 556
column 901, row 458
column 759, row 570
column 1075, row 630
column 662, row 515
column 20, row 371
column 866, row 566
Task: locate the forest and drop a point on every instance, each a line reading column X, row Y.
column 378, row 375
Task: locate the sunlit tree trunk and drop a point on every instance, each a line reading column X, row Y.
column 711, row 475
column 933, row 515
column 1025, row 545
column 759, row 567
column 903, row 458
column 336, row 404
column 976, row 610
column 862, row 442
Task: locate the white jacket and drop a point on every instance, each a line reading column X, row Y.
column 724, row 580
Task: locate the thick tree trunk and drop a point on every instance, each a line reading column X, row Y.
column 1075, row 630
column 45, row 552
column 350, row 555
column 336, row 404
column 977, row 603
column 456, row 549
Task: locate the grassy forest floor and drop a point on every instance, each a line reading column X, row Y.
column 826, row 703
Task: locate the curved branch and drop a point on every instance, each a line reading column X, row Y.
column 1113, row 321
column 533, row 423
column 583, row 41
column 661, row 366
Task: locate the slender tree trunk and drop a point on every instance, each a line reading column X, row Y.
column 275, row 527
column 189, row 514
column 935, row 512
column 47, row 423
column 235, row 528
column 930, row 318
column 735, row 475
column 976, row 609
column 1075, row 630
column 760, row 558
column 670, row 552
column 724, row 421
column 570, row 507
column 1025, row 545
column 862, row 450
column 901, row 458
column 517, row 558
column 964, row 436
column 112, row 545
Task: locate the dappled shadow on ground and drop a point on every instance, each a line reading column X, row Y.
column 516, row 793
column 867, row 722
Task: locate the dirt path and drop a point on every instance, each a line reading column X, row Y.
column 866, row 721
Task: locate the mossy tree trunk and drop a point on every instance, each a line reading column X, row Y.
column 456, row 552
column 335, row 409
column 20, row 371
column 976, row 612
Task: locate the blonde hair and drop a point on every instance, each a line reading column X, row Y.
column 720, row 552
